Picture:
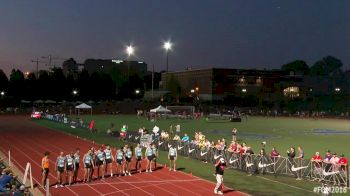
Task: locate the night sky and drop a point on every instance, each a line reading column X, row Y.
column 205, row 33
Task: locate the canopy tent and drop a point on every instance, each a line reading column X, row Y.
column 83, row 106
column 50, row 102
column 160, row 109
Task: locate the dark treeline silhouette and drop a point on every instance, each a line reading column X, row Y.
column 54, row 85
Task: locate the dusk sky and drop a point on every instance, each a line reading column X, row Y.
column 205, row 33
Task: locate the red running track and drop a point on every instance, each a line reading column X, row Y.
column 27, row 142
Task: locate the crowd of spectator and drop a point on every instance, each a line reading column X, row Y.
column 330, row 163
column 9, row 184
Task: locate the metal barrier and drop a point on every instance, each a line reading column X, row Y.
column 258, row 164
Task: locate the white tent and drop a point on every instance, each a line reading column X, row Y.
column 82, row 106
column 160, row 109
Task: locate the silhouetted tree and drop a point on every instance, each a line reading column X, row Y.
column 128, row 89
column 3, row 81
column 31, row 89
column 297, row 67
column 326, row 66
column 174, row 87
column 17, row 87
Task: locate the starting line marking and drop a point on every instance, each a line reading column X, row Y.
column 135, row 182
column 145, row 186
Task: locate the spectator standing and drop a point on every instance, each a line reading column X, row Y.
column 234, row 134
column 178, row 129
column 343, row 162
column 185, row 139
column 317, row 163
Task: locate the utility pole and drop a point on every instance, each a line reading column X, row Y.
column 50, row 58
column 37, row 66
column 152, row 80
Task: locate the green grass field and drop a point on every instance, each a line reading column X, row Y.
column 279, row 132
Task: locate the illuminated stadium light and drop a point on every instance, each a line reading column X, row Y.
column 337, row 89
column 167, row 45
column 244, row 90
column 130, row 50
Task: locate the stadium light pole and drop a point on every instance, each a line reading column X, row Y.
column 75, row 93
column 130, row 51
column 167, row 46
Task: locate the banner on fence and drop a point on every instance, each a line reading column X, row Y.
column 145, row 139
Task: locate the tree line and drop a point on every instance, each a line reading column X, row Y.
column 54, row 85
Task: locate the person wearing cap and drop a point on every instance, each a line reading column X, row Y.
column 20, row 191
column 219, row 173
column 172, row 156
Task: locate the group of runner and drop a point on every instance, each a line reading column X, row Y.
column 69, row 163
column 100, row 160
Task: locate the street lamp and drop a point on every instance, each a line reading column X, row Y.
column 167, row 46
column 192, row 90
column 337, row 89
column 75, row 92
column 137, row 91
column 2, row 93
column 244, row 90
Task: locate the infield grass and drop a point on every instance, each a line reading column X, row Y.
column 279, row 132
